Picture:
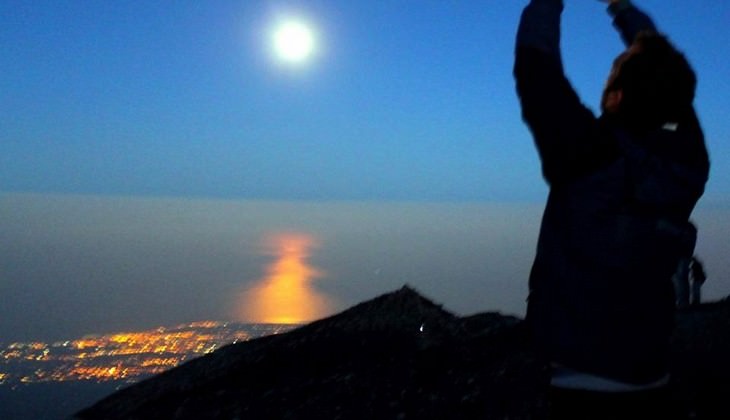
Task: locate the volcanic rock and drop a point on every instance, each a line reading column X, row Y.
column 401, row 356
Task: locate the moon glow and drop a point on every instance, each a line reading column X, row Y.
column 293, row 41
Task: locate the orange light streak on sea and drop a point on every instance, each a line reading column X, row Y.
column 285, row 295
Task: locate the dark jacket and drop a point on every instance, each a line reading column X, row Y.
column 617, row 216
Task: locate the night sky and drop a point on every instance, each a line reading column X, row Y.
column 148, row 149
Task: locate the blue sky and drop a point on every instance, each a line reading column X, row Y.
column 147, row 148
column 405, row 100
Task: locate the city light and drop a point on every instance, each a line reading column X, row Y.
column 128, row 356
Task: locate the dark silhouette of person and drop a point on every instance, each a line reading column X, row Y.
column 622, row 188
column 698, row 279
column 682, row 282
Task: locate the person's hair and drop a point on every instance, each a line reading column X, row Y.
column 656, row 80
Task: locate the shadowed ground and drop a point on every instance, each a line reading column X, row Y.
column 401, row 356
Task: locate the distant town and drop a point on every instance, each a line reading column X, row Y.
column 125, row 357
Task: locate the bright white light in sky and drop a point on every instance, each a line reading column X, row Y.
column 293, row 41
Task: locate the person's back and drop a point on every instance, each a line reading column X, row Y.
column 622, row 188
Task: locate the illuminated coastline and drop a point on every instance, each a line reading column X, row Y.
column 281, row 300
column 126, row 357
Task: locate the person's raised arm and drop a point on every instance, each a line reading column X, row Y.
column 550, row 107
column 540, row 27
column 628, row 19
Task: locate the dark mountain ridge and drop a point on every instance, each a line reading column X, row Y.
column 401, row 356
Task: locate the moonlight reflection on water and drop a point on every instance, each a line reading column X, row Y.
column 285, row 295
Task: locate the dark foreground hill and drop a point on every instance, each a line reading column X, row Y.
column 400, row 356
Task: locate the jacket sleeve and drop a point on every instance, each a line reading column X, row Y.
column 559, row 123
column 629, row 20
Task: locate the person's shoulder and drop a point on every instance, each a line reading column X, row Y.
column 682, row 143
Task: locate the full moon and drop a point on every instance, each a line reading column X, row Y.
column 293, row 41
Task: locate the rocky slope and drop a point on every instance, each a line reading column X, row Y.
column 400, row 356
